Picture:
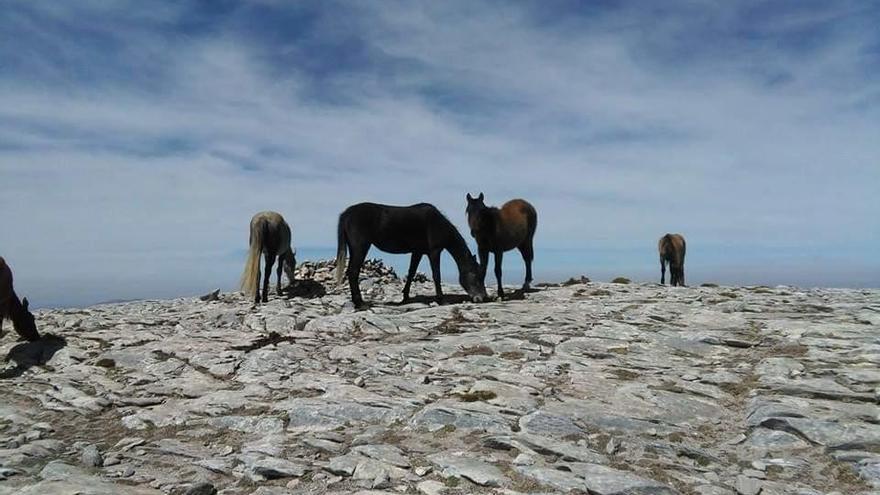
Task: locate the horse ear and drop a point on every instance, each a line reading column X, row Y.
column 24, row 302
column 469, row 198
column 480, row 197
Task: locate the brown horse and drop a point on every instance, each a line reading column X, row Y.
column 672, row 248
column 270, row 236
column 12, row 308
column 499, row 230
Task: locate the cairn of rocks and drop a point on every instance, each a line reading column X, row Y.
column 324, row 272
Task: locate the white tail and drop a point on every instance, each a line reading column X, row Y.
column 340, row 252
column 250, row 276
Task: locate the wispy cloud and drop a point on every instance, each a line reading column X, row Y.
column 130, row 128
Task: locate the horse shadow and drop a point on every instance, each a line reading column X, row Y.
column 514, row 295
column 29, row 354
column 305, row 288
column 426, row 299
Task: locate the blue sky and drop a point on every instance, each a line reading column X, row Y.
column 137, row 138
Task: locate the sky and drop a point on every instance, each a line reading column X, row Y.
column 138, row 138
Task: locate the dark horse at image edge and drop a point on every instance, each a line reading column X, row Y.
column 419, row 229
column 14, row 309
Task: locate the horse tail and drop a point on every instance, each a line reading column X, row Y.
column 664, row 246
column 532, row 215
column 251, row 272
column 341, row 248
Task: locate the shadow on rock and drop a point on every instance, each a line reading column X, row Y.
column 308, row 289
column 447, row 299
column 518, row 294
column 28, row 354
column 273, row 338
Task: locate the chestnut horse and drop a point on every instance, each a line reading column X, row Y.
column 672, row 249
column 270, row 236
column 12, row 308
column 419, row 229
column 499, row 230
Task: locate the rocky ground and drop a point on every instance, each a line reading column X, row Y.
column 582, row 388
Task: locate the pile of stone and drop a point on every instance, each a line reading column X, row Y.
column 324, row 271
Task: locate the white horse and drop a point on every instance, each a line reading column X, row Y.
column 270, row 236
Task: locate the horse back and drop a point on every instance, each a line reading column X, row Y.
column 397, row 229
column 518, row 220
column 276, row 231
column 672, row 247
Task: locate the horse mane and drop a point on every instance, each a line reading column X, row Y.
column 460, row 251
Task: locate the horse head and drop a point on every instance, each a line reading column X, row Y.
column 470, row 279
column 24, row 322
column 475, row 209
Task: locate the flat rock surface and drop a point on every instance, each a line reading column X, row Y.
column 587, row 388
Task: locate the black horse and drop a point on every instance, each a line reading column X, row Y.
column 418, row 229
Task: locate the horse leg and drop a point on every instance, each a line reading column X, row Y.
column 484, row 263
column 663, row 272
column 499, row 255
column 270, row 260
column 681, row 275
column 434, row 257
column 528, row 255
column 356, row 261
column 413, row 266
column 257, row 284
column 278, row 270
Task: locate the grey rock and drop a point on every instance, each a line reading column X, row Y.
column 385, row 453
column 562, row 481
column 91, row 456
column 344, row 465
column 58, row 470
column 431, row 487
column 748, row 486
column 211, row 296
column 270, row 468
column 603, row 480
column 201, row 489
column 477, row 471
column 248, row 424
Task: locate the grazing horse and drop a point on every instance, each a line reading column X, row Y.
column 270, row 236
column 499, row 230
column 418, row 229
column 672, row 248
column 12, row 308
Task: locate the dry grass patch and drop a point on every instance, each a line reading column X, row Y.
column 453, row 324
